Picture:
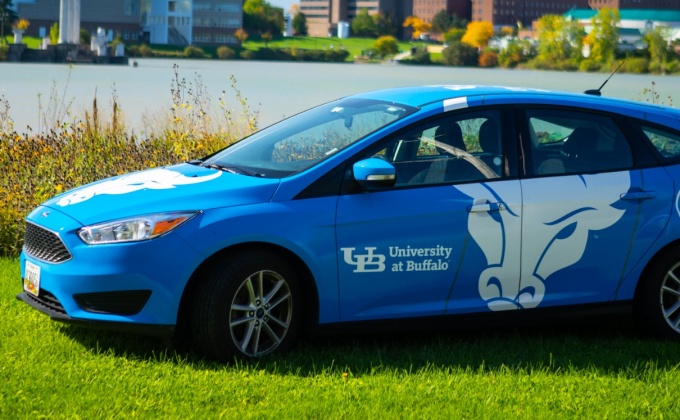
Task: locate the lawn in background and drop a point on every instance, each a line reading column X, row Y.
column 355, row 46
column 605, row 370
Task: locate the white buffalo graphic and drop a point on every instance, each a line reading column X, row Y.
column 154, row 179
column 553, row 236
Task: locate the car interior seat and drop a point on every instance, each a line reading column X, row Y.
column 580, row 150
column 449, row 166
column 489, row 142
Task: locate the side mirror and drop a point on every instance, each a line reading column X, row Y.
column 374, row 173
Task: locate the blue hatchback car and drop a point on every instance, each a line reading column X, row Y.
column 425, row 203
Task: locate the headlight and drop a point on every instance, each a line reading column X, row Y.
column 134, row 229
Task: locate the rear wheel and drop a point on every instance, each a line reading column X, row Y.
column 658, row 300
column 247, row 307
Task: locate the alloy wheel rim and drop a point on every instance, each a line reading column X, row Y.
column 670, row 297
column 260, row 313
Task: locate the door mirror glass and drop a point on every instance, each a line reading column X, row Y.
column 374, row 173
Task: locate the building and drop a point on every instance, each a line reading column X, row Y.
column 174, row 22
column 426, row 9
column 215, row 21
column 523, row 12
column 518, row 13
column 635, row 4
column 634, row 24
column 323, row 16
column 116, row 16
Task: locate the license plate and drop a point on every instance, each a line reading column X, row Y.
column 32, row 278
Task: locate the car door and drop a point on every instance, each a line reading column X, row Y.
column 589, row 213
column 408, row 250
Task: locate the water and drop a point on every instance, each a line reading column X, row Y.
column 274, row 89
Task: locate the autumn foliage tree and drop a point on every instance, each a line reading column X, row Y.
column 478, row 34
column 241, row 35
column 417, row 25
column 386, row 45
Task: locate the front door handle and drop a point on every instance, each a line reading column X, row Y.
column 486, row 207
column 638, row 195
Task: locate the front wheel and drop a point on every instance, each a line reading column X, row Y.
column 247, row 307
column 658, row 300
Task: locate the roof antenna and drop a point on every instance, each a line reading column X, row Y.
column 596, row 92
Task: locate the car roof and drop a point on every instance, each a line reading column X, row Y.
column 422, row 95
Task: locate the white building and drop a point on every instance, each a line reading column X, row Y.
column 175, row 22
column 167, row 21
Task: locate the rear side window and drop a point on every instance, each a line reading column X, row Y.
column 665, row 142
column 567, row 142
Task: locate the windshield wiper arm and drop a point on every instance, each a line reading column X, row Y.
column 234, row 170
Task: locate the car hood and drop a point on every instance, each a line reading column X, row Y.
column 172, row 188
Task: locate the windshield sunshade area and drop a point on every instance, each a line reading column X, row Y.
column 300, row 142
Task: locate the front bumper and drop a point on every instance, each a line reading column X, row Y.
column 48, row 304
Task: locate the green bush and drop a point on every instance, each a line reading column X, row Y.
column 673, row 66
column 371, row 53
column 419, row 56
column 225, row 53
column 85, row 37
column 517, row 52
column 133, row 51
column 145, row 51
column 336, row 55
column 193, row 52
column 307, row 55
column 539, row 63
column 247, row 54
column 637, row 65
column 272, row 54
column 460, row 54
column 488, row 59
column 299, row 54
column 590, row 65
column 4, row 51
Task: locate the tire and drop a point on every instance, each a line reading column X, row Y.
column 658, row 299
column 246, row 308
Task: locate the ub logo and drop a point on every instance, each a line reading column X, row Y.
column 364, row 263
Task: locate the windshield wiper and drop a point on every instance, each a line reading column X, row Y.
column 234, row 170
column 195, row 162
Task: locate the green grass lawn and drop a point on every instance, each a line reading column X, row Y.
column 355, row 46
column 51, row 370
column 30, row 41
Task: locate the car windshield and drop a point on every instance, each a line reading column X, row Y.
column 299, row 142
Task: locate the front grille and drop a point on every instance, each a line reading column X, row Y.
column 47, row 301
column 44, row 245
